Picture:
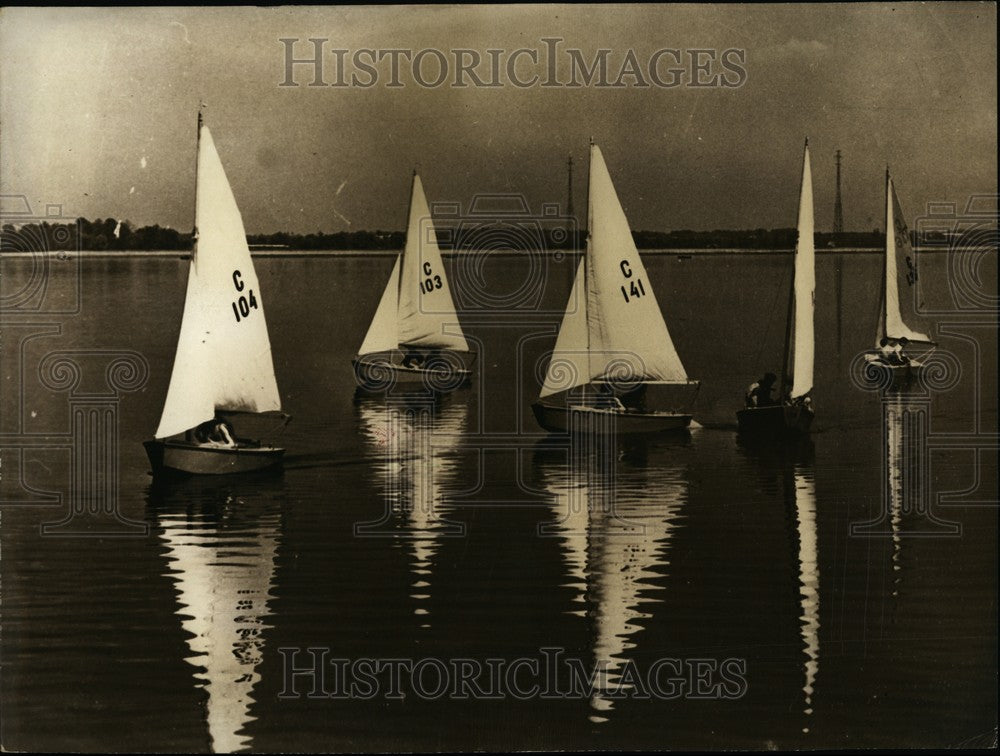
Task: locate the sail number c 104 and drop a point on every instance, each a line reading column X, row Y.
column 246, row 302
column 635, row 288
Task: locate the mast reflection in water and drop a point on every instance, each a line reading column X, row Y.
column 221, row 539
column 791, row 463
column 615, row 514
column 415, row 437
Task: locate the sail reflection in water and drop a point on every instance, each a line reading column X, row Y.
column 415, row 438
column 615, row 520
column 790, row 465
column 802, row 489
column 221, row 541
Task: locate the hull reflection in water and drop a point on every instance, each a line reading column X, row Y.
column 415, row 437
column 615, row 513
column 221, row 540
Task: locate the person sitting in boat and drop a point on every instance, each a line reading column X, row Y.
column 607, row 398
column 898, row 350
column 759, row 393
column 635, row 399
column 891, row 352
column 216, row 432
column 412, row 359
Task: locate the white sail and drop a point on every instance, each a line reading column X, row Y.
column 899, row 296
column 383, row 333
column 223, row 358
column 426, row 313
column 805, row 288
column 624, row 319
column 569, row 366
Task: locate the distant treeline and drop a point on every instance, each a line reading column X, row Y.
column 110, row 234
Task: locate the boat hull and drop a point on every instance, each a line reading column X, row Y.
column 379, row 373
column 178, row 457
column 561, row 419
column 776, row 420
column 892, row 376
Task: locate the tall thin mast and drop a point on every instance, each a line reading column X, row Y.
column 838, row 207
column 586, row 256
column 889, row 229
column 791, row 298
column 197, row 160
column 570, row 224
column 406, row 239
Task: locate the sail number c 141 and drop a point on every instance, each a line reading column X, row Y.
column 635, row 288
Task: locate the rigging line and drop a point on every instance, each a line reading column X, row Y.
column 770, row 320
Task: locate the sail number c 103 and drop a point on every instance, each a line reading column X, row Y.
column 246, row 302
column 431, row 282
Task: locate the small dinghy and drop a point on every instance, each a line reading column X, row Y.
column 223, row 364
column 792, row 412
column 415, row 338
column 614, row 368
column 901, row 344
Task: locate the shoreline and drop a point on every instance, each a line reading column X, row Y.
column 182, row 254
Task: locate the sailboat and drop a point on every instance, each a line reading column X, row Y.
column 792, row 412
column 613, row 351
column 415, row 337
column 223, row 361
column 900, row 342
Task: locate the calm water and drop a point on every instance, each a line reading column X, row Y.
column 452, row 530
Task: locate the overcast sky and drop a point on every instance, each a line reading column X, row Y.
column 98, row 110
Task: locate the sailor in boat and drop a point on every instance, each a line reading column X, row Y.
column 891, row 351
column 413, row 359
column 759, row 393
column 216, row 433
column 608, row 399
column 635, row 400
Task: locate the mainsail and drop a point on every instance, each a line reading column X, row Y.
column 223, row 359
column 899, row 316
column 804, row 291
column 625, row 335
column 416, row 308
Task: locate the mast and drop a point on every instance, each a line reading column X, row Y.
column 569, row 185
column 586, row 256
column 402, row 255
column 789, row 314
column 884, row 315
column 803, row 289
column 197, row 157
column 838, row 208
